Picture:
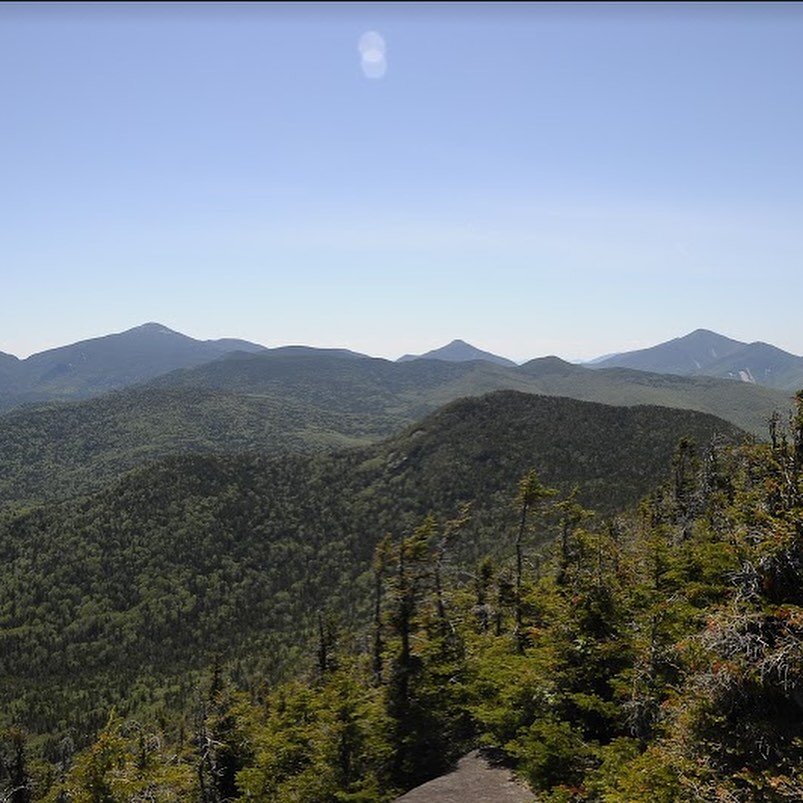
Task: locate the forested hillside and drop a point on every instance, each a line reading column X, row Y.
column 118, row 597
column 286, row 402
column 706, row 353
column 650, row 656
column 95, row 366
column 412, row 389
column 58, row 451
column 278, row 568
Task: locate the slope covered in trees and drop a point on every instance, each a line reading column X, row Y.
column 706, row 353
column 286, row 402
column 649, row 656
column 120, row 595
column 58, row 451
column 95, row 366
column 415, row 388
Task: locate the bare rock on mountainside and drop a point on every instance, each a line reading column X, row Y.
column 706, row 353
column 474, row 780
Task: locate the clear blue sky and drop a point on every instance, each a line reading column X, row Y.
column 534, row 179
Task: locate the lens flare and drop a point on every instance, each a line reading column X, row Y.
column 372, row 49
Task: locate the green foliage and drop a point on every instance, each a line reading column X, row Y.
column 120, row 597
column 125, row 763
column 625, row 773
column 58, row 451
column 316, row 744
column 662, row 658
column 282, row 403
column 15, row 778
column 550, row 753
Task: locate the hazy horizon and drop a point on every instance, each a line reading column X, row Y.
column 372, row 353
column 543, row 179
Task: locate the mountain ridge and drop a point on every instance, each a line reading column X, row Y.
column 458, row 351
column 382, row 386
column 108, row 362
column 298, row 404
column 144, row 353
column 680, row 355
column 706, row 353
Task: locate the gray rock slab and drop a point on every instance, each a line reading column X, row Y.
column 473, row 781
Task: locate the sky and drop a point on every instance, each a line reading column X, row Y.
column 535, row 179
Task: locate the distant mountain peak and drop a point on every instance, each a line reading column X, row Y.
column 701, row 331
column 108, row 362
column 706, row 353
column 458, row 351
column 152, row 326
column 681, row 355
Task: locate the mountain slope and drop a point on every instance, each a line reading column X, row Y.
column 277, row 403
column 9, row 374
column 62, row 450
column 176, row 561
column 681, row 355
column 313, row 351
column 705, row 353
column 94, row 366
column 458, row 351
column 411, row 389
column 761, row 363
column 280, row 404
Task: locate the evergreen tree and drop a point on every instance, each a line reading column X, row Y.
column 530, row 494
column 14, row 769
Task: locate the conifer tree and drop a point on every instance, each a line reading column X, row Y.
column 381, row 562
column 531, row 493
column 412, row 568
column 14, row 769
column 220, row 753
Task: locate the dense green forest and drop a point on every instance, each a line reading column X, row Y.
column 59, row 451
column 376, row 386
column 652, row 655
column 286, row 402
column 104, row 599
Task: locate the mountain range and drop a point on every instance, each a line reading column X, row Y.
column 706, row 353
column 392, row 393
column 382, row 393
column 285, row 403
column 95, row 366
column 165, row 500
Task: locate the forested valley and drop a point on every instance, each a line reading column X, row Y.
column 607, row 598
column 362, row 436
